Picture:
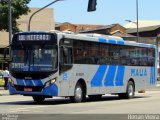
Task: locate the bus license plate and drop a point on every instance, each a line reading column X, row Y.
column 28, row 89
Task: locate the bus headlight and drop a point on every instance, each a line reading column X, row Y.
column 53, row 81
column 48, row 83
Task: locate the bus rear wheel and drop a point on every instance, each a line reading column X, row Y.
column 130, row 92
column 79, row 94
column 38, row 99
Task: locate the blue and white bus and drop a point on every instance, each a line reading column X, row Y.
column 48, row 64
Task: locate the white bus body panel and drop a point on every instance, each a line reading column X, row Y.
column 100, row 80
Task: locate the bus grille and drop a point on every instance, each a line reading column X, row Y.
column 34, row 88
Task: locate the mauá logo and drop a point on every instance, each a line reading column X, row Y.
column 138, row 72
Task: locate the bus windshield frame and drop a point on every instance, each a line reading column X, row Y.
column 34, row 56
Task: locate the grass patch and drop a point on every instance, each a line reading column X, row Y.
column 1, row 81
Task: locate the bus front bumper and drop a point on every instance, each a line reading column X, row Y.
column 51, row 90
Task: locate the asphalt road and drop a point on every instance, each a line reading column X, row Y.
column 148, row 102
column 144, row 103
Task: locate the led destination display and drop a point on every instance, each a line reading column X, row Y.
column 38, row 37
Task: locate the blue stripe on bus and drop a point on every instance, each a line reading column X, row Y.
column 98, row 77
column 112, row 41
column 152, row 75
column 20, row 82
column 120, row 42
column 38, row 82
column 109, row 80
column 102, row 40
column 120, row 76
column 28, row 82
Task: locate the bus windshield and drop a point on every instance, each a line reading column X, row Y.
column 34, row 58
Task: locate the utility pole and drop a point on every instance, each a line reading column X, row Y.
column 10, row 21
column 137, row 21
column 10, row 24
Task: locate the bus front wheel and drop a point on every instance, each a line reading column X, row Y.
column 79, row 94
column 38, row 99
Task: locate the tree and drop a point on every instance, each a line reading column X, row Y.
column 19, row 7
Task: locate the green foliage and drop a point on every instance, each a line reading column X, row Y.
column 19, row 7
column 1, row 82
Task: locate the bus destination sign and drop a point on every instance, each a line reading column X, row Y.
column 36, row 37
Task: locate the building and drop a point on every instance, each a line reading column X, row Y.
column 66, row 26
column 113, row 29
column 81, row 27
column 42, row 21
column 149, row 31
column 146, row 29
column 141, row 23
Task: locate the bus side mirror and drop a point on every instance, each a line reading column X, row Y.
column 92, row 5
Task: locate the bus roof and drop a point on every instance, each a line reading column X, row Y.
column 94, row 38
column 105, row 39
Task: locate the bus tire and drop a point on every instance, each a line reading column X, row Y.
column 79, row 94
column 95, row 97
column 130, row 91
column 38, row 99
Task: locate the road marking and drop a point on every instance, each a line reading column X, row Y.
column 16, row 111
column 26, row 109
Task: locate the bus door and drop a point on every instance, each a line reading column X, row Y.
column 66, row 74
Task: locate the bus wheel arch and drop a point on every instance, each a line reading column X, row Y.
column 83, row 83
column 130, row 90
column 81, row 89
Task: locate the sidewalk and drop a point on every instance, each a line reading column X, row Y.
column 3, row 92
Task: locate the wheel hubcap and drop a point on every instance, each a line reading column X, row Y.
column 130, row 90
column 78, row 93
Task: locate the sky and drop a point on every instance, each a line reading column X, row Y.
column 108, row 11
